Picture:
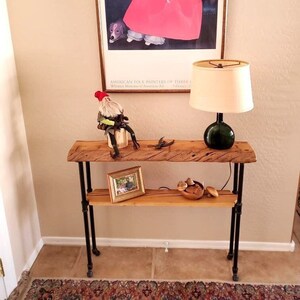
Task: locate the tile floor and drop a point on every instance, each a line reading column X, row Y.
column 177, row 264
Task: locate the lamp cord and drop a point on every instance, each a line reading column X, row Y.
column 230, row 172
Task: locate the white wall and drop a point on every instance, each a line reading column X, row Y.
column 18, row 203
column 58, row 67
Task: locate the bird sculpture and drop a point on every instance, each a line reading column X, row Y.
column 111, row 119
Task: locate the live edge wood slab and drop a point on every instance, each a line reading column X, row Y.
column 180, row 151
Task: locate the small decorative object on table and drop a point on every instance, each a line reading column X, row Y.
column 111, row 119
column 191, row 189
column 194, row 190
column 125, row 184
column 212, row 192
column 162, row 143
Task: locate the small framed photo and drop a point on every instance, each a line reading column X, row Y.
column 125, row 184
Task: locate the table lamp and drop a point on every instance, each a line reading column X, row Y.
column 221, row 86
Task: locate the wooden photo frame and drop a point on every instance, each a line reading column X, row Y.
column 160, row 61
column 125, row 184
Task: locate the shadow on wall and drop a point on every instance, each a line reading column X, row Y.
column 16, row 177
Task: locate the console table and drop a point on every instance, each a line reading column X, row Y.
column 84, row 152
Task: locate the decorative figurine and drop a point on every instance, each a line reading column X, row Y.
column 191, row 189
column 212, row 192
column 111, row 119
column 162, row 143
column 194, row 190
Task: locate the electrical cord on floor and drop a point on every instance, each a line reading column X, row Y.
column 230, row 172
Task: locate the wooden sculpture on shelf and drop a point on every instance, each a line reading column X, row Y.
column 191, row 189
column 111, row 119
column 194, row 190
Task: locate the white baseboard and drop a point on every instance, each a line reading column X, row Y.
column 33, row 255
column 157, row 243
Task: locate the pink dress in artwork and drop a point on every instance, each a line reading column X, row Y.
column 174, row 19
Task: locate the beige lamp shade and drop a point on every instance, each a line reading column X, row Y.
column 222, row 86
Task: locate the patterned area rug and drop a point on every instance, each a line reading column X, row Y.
column 103, row 289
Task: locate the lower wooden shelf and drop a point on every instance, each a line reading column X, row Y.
column 163, row 198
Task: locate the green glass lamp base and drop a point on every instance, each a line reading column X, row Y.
column 219, row 135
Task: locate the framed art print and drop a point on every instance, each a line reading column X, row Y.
column 150, row 45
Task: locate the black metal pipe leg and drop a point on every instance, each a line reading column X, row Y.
column 85, row 205
column 235, row 178
column 87, row 240
column 88, row 177
column 91, row 209
column 94, row 245
column 238, row 209
column 235, row 269
column 232, row 229
column 233, row 212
